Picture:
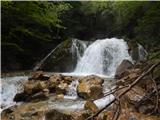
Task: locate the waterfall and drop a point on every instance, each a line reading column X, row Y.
column 103, row 57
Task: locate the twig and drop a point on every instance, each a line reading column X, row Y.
column 124, row 92
column 157, row 96
column 116, row 116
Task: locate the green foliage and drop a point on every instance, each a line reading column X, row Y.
column 27, row 27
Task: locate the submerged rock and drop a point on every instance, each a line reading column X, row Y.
column 90, row 87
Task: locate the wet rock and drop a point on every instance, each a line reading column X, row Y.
column 121, row 70
column 39, row 75
column 68, row 79
column 56, row 78
column 60, row 96
column 90, row 87
column 32, row 87
column 40, row 85
column 89, row 105
column 43, row 95
column 81, row 114
column 20, row 97
column 54, row 81
column 28, row 87
column 62, row 88
column 57, row 115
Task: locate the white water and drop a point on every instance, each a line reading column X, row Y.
column 72, row 91
column 102, row 57
column 10, row 86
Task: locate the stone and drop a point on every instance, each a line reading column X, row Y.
column 40, row 85
column 135, row 94
column 55, row 78
column 39, row 75
column 60, row 96
column 62, row 88
column 90, row 87
column 28, row 87
column 43, row 95
column 121, row 70
column 20, row 97
column 89, row 105
column 57, row 115
column 68, row 79
column 81, row 114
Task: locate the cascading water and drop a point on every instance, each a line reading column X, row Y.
column 10, row 87
column 72, row 90
column 103, row 57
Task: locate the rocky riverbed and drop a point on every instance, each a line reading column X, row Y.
column 57, row 96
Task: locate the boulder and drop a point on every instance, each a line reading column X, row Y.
column 53, row 81
column 121, row 70
column 56, row 78
column 28, row 87
column 81, row 114
column 62, row 88
column 20, row 97
column 90, row 87
column 68, row 79
column 43, row 95
column 39, row 75
column 57, row 115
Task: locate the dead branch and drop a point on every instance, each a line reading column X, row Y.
column 127, row 89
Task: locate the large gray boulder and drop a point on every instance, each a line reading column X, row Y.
column 122, row 68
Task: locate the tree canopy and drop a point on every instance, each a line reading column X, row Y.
column 30, row 29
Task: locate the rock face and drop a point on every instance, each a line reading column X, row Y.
column 90, row 87
column 122, row 68
column 137, row 52
column 64, row 56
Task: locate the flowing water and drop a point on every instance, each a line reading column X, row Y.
column 10, row 86
column 100, row 57
column 103, row 57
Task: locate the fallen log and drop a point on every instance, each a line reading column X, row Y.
column 127, row 89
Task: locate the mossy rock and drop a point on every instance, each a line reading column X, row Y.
column 61, row 59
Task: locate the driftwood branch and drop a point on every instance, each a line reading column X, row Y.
column 127, row 89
